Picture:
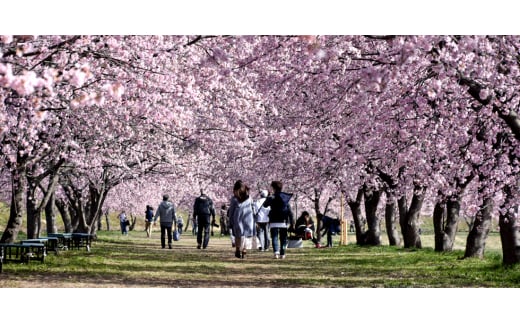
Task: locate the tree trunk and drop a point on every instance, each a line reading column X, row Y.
column 85, row 216
column 392, row 183
column 63, row 208
column 100, row 224
column 391, row 221
column 319, row 216
column 510, row 238
column 15, row 214
column 452, row 223
column 410, row 223
column 75, row 218
column 451, row 219
column 476, row 241
column 355, row 208
column 295, row 200
column 107, row 219
column 33, row 205
column 445, row 222
column 133, row 220
column 509, row 231
column 33, row 213
column 373, row 234
column 469, row 222
column 402, row 206
column 77, row 210
column 439, row 218
column 97, row 199
column 50, row 215
column 82, row 226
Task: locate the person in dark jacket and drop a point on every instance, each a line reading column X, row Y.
column 305, row 228
column 331, row 226
column 148, row 221
column 166, row 211
column 203, row 209
column 280, row 216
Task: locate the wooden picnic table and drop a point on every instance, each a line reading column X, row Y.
column 80, row 240
column 64, row 239
column 23, row 253
column 51, row 243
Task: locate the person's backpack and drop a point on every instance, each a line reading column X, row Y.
column 282, row 203
column 202, row 206
column 149, row 215
column 286, row 197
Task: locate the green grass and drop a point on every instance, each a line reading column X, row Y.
column 136, row 261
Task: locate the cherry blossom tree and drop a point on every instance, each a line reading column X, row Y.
column 387, row 122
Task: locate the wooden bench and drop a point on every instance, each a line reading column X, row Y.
column 23, row 253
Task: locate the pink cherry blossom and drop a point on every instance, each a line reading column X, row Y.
column 137, row 116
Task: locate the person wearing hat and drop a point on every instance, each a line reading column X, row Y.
column 262, row 221
column 166, row 211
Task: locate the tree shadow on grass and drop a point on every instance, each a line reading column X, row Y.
column 138, row 262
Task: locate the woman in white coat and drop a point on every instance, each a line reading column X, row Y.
column 242, row 220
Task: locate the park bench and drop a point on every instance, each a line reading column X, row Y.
column 51, row 243
column 64, row 240
column 80, row 240
column 23, row 253
column 70, row 241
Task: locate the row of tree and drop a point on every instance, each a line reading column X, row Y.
column 388, row 122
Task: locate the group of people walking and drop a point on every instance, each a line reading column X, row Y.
column 269, row 218
column 252, row 224
column 171, row 224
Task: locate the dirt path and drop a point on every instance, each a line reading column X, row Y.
column 141, row 263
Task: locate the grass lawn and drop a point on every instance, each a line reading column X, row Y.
column 136, row 261
column 127, row 271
